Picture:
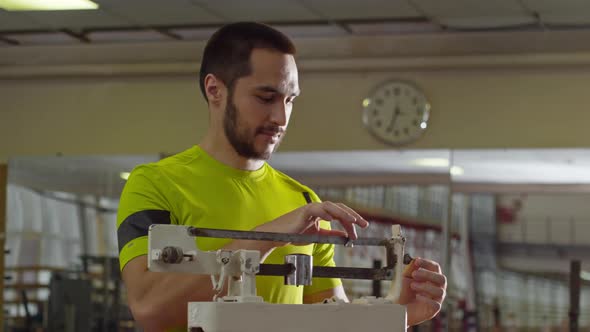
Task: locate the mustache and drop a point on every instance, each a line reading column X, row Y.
column 271, row 129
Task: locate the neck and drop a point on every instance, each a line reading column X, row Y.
column 218, row 147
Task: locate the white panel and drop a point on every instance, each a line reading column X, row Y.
column 45, row 38
column 157, row 12
column 410, row 161
column 194, row 34
column 79, row 19
column 393, row 28
column 476, row 14
column 126, row 36
column 13, row 21
column 524, row 166
column 356, row 9
column 512, row 166
column 293, row 31
column 260, row 10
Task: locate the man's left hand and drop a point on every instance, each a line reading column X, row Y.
column 423, row 291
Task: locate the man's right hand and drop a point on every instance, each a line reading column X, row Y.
column 306, row 220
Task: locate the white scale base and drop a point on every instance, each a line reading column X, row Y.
column 263, row 317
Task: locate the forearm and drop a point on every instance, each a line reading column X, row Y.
column 159, row 300
column 163, row 303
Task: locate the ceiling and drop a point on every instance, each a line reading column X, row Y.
column 157, row 20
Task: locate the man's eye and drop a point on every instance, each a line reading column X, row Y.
column 266, row 100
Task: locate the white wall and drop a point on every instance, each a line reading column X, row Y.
column 485, row 90
column 141, row 115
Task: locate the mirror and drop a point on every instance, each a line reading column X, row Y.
column 535, row 223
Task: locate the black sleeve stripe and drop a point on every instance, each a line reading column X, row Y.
column 307, row 197
column 137, row 225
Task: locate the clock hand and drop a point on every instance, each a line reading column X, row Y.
column 396, row 113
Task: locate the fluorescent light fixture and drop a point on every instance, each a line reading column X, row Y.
column 124, row 175
column 431, row 162
column 585, row 275
column 456, row 170
column 22, row 5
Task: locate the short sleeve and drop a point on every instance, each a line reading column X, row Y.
column 143, row 203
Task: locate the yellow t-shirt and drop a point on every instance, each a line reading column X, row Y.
column 193, row 189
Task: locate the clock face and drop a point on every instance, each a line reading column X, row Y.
column 396, row 112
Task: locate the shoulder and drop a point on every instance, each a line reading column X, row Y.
column 164, row 168
column 179, row 162
column 151, row 185
column 293, row 184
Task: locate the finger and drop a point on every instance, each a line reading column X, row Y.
column 425, row 275
column 339, row 213
column 362, row 222
column 410, row 268
column 433, row 305
column 320, row 210
column 317, row 210
column 313, row 225
column 428, row 264
column 323, row 232
column 428, row 289
column 316, row 228
column 343, row 217
column 350, row 229
column 332, row 232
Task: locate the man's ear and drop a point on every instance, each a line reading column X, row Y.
column 214, row 89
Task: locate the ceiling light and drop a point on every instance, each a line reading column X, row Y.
column 21, row 5
column 456, row 171
column 431, row 162
column 584, row 275
column 366, row 102
column 124, row 175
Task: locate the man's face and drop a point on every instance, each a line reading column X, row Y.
column 259, row 105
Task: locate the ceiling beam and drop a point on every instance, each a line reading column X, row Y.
column 9, row 41
column 359, row 179
column 450, row 49
column 20, row 68
column 511, row 188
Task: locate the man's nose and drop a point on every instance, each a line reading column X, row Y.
column 279, row 114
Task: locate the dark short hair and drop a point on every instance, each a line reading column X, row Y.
column 227, row 54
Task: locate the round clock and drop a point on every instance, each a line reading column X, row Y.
column 396, row 112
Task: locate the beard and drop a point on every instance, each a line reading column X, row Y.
column 243, row 138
